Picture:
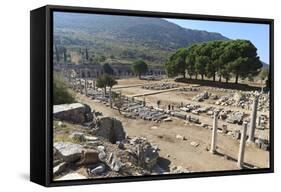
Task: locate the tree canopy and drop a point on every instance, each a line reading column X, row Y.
column 105, row 81
column 216, row 58
column 139, row 67
column 176, row 63
column 107, row 68
column 264, row 73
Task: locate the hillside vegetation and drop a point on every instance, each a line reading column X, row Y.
column 92, row 38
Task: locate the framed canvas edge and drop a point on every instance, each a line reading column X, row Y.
column 49, row 140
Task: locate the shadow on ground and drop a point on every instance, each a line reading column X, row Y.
column 164, row 163
column 224, row 85
column 245, row 165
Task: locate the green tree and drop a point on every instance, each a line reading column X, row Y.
column 200, row 64
column 61, row 92
column 206, row 61
column 57, row 54
column 242, row 59
column 107, row 68
column 110, row 82
column 104, row 81
column 86, row 54
column 211, row 69
column 118, row 102
column 190, row 60
column 224, row 72
column 217, row 58
column 176, row 64
column 102, row 58
column 215, row 66
column 264, row 74
column 139, row 67
column 222, row 58
column 64, row 55
column 100, row 83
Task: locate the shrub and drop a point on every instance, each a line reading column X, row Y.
column 61, row 92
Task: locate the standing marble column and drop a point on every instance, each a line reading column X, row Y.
column 242, row 146
column 214, row 133
column 253, row 119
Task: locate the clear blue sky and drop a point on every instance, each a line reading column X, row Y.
column 258, row 34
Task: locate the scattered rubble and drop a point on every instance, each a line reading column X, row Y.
column 100, row 162
column 244, row 100
column 189, row 89
column 152, row 77
column 194, row 144
column 160, row 86
column 146, row 154
column 201, row 97
column 105, row 150
column 235, row 118
column 111, row 160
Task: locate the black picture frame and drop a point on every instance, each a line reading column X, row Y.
column 41, row 149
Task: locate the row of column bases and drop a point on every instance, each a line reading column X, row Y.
column 94, row 86
column 251, row 138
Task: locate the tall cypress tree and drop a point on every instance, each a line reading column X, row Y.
column 87, row 54
column 57, row 54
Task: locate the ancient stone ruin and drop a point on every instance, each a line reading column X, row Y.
column 75, row 112
column 101, row 149
column 109, row 128
column 160, row 86
column 145, row 154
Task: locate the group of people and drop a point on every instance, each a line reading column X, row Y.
column 169, row 106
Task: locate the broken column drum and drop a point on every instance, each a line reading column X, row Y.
column 242, row 146
column 253, row 120
column 214, row 133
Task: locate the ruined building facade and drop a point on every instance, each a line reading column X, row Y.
column 95, row 70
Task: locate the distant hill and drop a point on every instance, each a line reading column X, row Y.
column 125, row 38
column 265, row 65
